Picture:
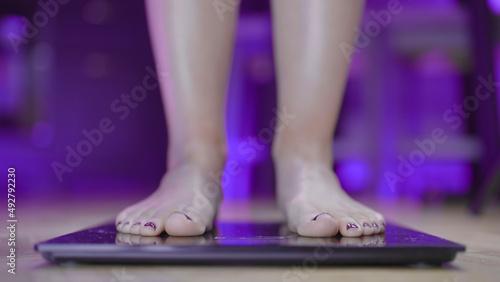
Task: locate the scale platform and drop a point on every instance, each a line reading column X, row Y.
column 249, row 244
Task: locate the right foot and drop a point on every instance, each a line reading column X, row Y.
column 185, row 203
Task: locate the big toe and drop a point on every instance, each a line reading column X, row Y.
column 180, row 224
column 318, row 225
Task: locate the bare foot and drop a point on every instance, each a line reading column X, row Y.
column 185, row 203
column 316, row 205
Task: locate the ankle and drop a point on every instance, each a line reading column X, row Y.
column 210, row 155
column 291, row 152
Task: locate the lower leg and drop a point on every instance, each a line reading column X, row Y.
column 312, row 72
column 192, row 49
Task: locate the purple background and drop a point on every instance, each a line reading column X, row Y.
column 64, row 79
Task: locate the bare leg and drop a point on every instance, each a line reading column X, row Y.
column 192, row 49
column 312, row 73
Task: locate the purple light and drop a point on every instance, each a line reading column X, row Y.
column 353, row 174
column 494, row 6
column 42, row 134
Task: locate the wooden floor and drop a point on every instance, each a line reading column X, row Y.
column 42, row 221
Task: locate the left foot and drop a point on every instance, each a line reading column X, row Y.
column 316, row 205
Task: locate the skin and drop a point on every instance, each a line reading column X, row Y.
column 312, row 72
column 193, row 72
column 192, row 47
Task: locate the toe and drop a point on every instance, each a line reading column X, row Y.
column 367, row 227
column 350, row 227
column 378, row 220
column 132, row 224
column 118, row 224
column 376, row 227
column 126, row 219
column 125, row 226
column 135, row 227
column 382, row 226
column 153, row 226
column 318, row 225
column 364, row 220
column 180, row 224
column 123, row 217
column 138, row 222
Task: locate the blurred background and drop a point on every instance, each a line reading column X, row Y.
column 424, row 74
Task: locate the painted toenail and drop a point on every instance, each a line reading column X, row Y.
column 375, row 225
column 137, row 223
column 184, row 215
column 126, row 223
column 316, row 217
column 351, row 225
column 151, row 224
column 367, row 225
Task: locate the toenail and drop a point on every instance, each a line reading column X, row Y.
column 184, row 215
column 151, row 224
column 126, row 223
column 351, row 225
column 136, row 223
column 316, row 217
column 375, row 225
column 367, row 225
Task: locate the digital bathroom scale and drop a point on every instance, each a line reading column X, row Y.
column 249, row 243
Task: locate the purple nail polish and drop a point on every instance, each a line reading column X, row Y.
column 375, row 225
column 351, row 225
column 316, row 217
column 184, row 215
column 367, row 225
column 151, row 224
column 136, row 223
column 126, row 223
